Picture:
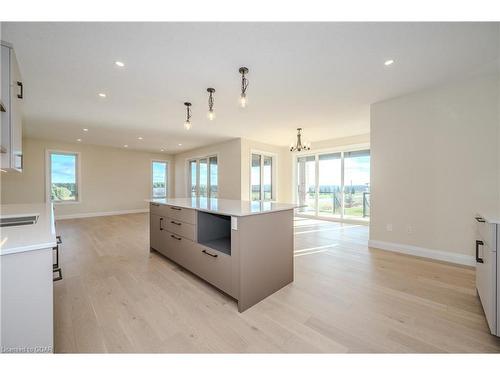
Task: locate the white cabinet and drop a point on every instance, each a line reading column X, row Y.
column 486, row 271
column 11, row 99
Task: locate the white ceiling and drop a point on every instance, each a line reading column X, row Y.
column 319, row 76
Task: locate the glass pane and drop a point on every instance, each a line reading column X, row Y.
column 159, row 179
column 203, row 185
column 330, row 197
column 192, row 169
column 214, row 183
column 255, row 177
column 63, row 177
column 267, row 178
column 357, row 184
column 306, row 186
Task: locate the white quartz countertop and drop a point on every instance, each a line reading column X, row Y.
column 226, row 206
column 41, row 235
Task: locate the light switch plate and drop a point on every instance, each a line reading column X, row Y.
column 234, row 223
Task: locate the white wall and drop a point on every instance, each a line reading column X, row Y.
column 112, row 179
column 229, row 166
column 434, row 164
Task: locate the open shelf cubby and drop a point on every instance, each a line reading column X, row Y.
column 214, row 231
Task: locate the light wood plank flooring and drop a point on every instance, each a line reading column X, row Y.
column 117, row 296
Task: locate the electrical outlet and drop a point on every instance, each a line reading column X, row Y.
column 388, row 227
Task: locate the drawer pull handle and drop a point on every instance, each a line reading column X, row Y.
column 161, row 222
column 480, row 219
column 478, row 243
column 176, row 223
column 21, row 93
column 175, row 208
column 155, row 204
column 212, row 255
column 59, row 240
column 177, row 238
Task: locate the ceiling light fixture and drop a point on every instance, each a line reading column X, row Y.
column 102, row 95
column 187, row 123
column 79, row 140
column 120, row 64
column 162, row 149
column 140, row 138
column 299, row 146
column 388, row 62
column 85, row 129
column 180, row 144
column 244, row 84
column 211, row 113
column 125, row 146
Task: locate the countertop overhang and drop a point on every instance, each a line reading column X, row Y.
column 41, row 235
column 226, row 206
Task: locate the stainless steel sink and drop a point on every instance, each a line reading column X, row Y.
column 18, row 220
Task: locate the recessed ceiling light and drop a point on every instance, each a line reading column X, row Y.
column 79, row 140
column 85, row 129
column 125, row 146
column 120, row 64
column 388, row 62
column 140, row 138
column 162, row 149
column 102, row 95
column 180, row 144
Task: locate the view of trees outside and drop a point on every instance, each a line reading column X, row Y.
column 159, row 179
column 63, row 171
column 356, row 184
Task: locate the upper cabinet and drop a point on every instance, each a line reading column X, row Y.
column 11, row 103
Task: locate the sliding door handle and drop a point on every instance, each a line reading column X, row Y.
column 478, row 243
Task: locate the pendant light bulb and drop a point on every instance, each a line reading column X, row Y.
column 187, row 125
column 243, row 100
column 211, row 115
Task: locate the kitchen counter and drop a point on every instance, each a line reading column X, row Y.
column 492, row 219
column 17, row 239
column 226, row 206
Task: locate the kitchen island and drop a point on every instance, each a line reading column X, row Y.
column 243, row 248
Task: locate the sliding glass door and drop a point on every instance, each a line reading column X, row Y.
column 335, row 185
column 261, row 177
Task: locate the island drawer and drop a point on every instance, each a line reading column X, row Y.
column 214, row 267
column 185, row 215
column 158, row 209
column 182, row 229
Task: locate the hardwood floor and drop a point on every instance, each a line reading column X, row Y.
column 116, row 296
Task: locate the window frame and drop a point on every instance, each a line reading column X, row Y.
column 48, row 176
column 167, row 179
column 274, row 174
column 197, row 159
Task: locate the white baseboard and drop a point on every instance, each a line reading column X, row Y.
column 94, row 214
column 446, row 256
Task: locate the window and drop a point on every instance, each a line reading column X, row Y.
column 334, row 184
column 203, row 177
column 159, row 179
column 63, row 176
column 261, row 177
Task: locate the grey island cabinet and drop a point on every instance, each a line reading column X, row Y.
column 243, row 248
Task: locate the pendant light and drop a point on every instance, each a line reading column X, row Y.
column 244, row 84
column 211, row 113
column 299, row 146
column 187, row 123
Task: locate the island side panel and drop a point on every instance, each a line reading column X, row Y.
column 266, row 255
